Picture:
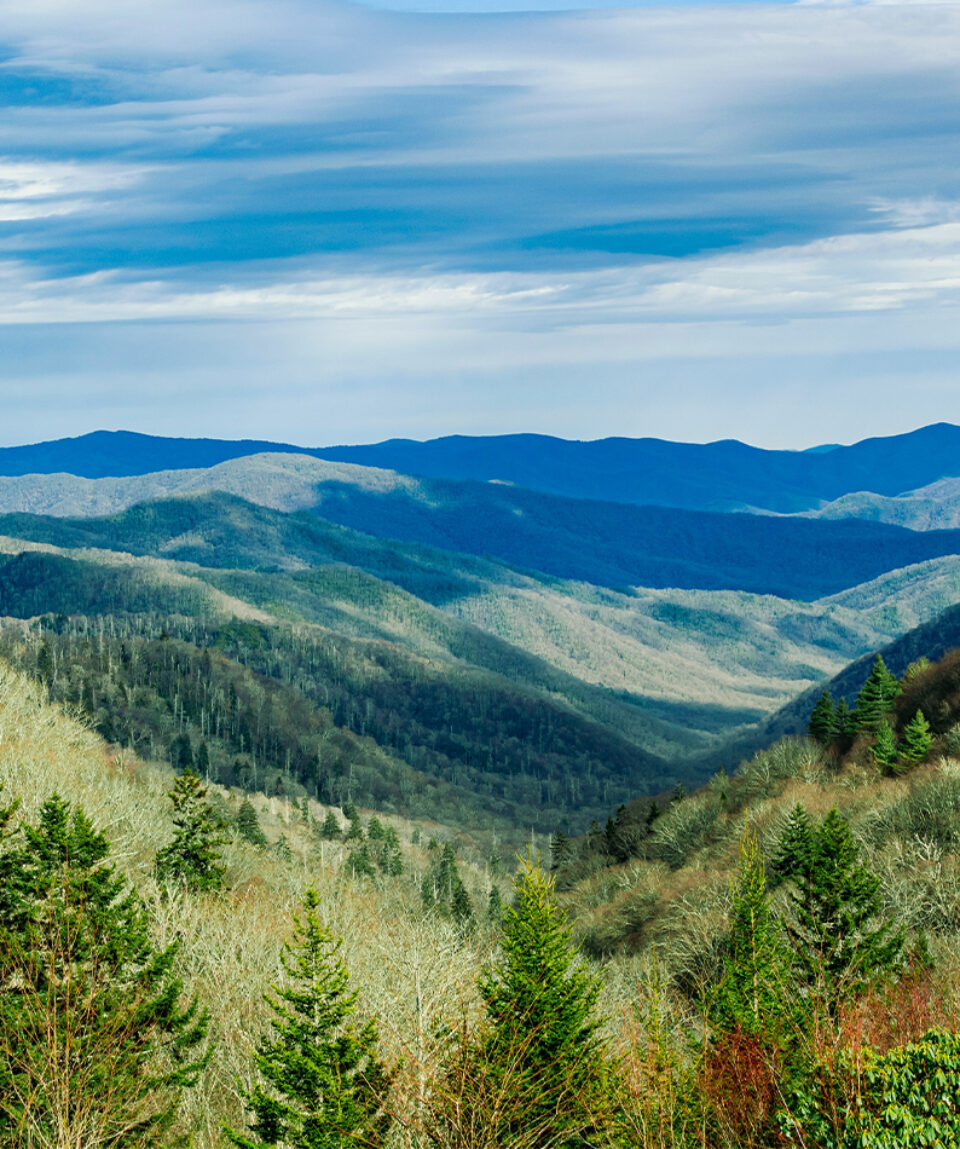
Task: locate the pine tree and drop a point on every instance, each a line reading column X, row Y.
column 359, row 864
column 375, row 829
column 823, row 720
column 876, row 700
column 389, row 854
column 845, row 721
column 752, row 993
column 325, row 1086
column 248, row 824
column 884, row 749
column 203, row 760
column 559, row 850
column 839, row 936
column 96, row 1048
column 355, row 830
column 331, row 828
column 495, row 907
column 917, row 740
column 192, row 858
column 540, row 1046
column 461, row 909
column 792, row 858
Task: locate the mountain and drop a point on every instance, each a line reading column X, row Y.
column 935, row 507
column 607, row 544
column 931, row 639
column 673, row 672
column 723, row 476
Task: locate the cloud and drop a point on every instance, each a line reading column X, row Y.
column 480, row 194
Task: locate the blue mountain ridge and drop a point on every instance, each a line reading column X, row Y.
column 721, row 476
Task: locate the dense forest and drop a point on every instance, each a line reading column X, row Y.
column 304, row 711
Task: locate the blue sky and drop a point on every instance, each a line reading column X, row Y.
column 326, row 222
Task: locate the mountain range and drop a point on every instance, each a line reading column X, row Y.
column 722, row 476
column 585, row 588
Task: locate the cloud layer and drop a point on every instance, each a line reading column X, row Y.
column 321, row 221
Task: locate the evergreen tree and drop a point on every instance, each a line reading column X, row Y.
column 325, row 1087
column 792, row 859
column 359, row 864
column 540, row 1045
column 917, row 740
column 461, row 909
column 375, row 829
column 181, row 752
column 884, row 748
column 876, row 700
column 203, row 760
column 845, row 721
column 495, row 907
column 839, row 936
column 192, row 858
column 753, row 990
column 389, row 854
column 823, row 720
column 559, row 850
column 331, row 828
column 248, row 824
column 355, row 830
column 96, row 1048
column 350, row 812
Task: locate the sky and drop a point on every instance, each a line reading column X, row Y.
column 324, row 222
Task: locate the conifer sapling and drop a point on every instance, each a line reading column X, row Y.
column 324, row 1084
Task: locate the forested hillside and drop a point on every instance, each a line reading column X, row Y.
column 536, row 700
column 601, row 543
column 730, row 1004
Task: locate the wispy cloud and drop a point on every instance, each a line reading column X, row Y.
column 531, row 178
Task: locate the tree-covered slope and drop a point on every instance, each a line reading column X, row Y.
column 602, row 543
column 673, row 671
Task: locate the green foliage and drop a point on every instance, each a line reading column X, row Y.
column 917, row 740
column 386, row 852
column 192, row 858
column 374, row 828
column 753, row 993
column 248, row 824
column 443, row 890
column 823, row 719
column 884, row 749
column 495, row 907
column 877, row 697
column 792, row 859
column 845, row 720
column 560, row 850
column 324, row 1085
column 95, row 1047
column 331, row 828
column 359, row 863
column 836, row 923
column 542, row 1032
column 355, row 830
column 913, row 1095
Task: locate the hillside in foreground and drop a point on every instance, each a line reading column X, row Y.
column 661, row 919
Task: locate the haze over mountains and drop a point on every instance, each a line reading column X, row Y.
column 646, row 636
